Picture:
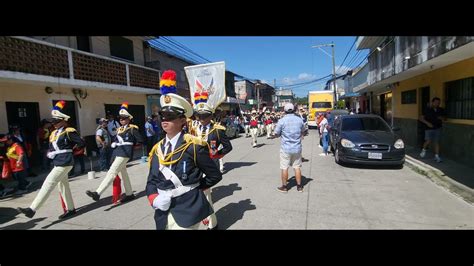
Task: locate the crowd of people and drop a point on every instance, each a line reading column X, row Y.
column 185, row 144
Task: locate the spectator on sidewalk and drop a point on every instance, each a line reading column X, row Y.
column 19, row 137
column 103, row 141
column 112, row 126
column 291, row 130
column 150, row 134
column 15, row 154
column 319, row 118
column 433, row 119
column 159, row 133
column 324, row 134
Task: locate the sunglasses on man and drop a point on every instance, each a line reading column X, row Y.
column 168, row 116
column 203, row 116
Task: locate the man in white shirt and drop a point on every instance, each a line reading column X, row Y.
column 323, row 130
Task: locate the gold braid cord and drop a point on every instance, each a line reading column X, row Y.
column 167, row 160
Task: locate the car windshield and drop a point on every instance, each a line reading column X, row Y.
column 364, row 123
column 321, row 105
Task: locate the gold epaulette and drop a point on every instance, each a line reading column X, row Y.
column 218, row 126
column 195, row 140
column 133, row 126
column 70, row 129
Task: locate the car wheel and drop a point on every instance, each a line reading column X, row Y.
column 336, row 156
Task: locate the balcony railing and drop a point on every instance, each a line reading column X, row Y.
column 26, row 55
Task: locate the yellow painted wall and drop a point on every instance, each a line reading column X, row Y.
column 435, row 80
column 92, row 106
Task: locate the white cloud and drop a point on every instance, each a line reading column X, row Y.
column 302, row 77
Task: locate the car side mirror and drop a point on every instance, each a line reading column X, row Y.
column 396, row 129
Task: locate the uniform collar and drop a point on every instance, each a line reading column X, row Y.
column 174, row 140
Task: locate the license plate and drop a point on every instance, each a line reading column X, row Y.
column 375, row 155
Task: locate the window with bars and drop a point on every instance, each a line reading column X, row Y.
column 460, row 98
column 121, row 47
column 409, row 97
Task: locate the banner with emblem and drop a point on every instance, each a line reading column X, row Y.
column 207, row 83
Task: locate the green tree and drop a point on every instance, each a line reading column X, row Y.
column 301, row 100
column 341, row 104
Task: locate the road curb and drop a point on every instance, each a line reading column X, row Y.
column 441, row 179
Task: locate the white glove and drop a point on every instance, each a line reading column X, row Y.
column 50, row 155
column 163, row 200
column 113, row 145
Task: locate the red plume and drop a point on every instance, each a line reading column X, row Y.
column 169, row 74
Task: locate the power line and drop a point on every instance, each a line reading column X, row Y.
column 305, row 83
column 387, row 43
column 186, row 48
column 170, row 50
column 348, row 52
column 354, row 58
column 180, row 49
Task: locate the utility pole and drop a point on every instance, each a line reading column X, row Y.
column 333, row 66
column 334, row 75
column 258, row 95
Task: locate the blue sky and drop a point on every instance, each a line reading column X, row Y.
column 289, row 60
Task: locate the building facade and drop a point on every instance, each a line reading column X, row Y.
column 94, row 75
column 406, row 72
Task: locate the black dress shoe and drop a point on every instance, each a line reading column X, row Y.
column 28, row 212
column 94, row 195
column 67, row 214
column 127, row 198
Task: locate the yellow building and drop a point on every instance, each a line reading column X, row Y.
column 414, row 95
column 406, row 73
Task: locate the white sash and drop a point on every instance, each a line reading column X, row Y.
column 56, row 151
column 170, row 175
column 121, row 142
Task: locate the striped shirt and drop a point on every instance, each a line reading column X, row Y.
column 290, row 128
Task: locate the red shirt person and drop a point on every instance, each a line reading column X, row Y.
column 15, row 154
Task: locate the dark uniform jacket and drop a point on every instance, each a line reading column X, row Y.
column 67, row 139
column 130, row 134
column 191, row 207
column 216, row 137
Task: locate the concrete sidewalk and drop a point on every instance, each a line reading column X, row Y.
column 456, row 177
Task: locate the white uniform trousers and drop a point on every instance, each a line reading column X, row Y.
column 254, row 132
column 59, row 176
column 172, row 225
column 261, row 128
column 118, row 166
column 269, row 130
column 212, row 218
column 247, row 130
